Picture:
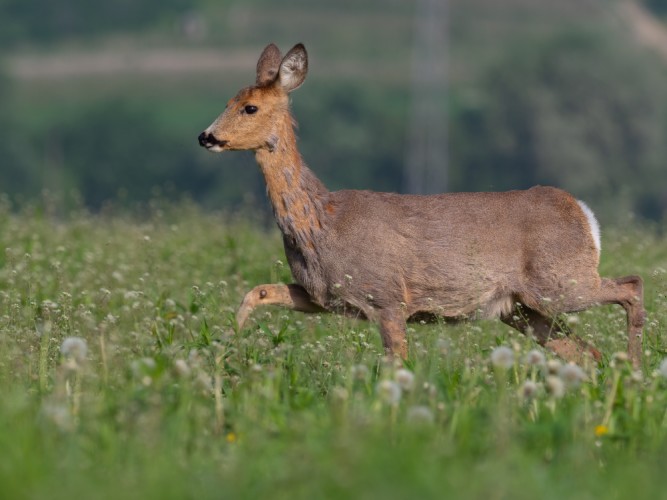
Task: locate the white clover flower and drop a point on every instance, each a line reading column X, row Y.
column 405, row 379
column 389, row 392
column 572, row 375
column 555, row 386
column 256, row 368
column 149, row 363
column 59, row 415
column 529, row 389
column 502, row 357
column 420, row 415
column 444, row 346
column 535, row 358
column 181, row 368
column 74, row 348
column 360, row 372
column 663, row 368
column 49, row 304
column 204, row 382
column 621, row 356
column 141, row 366
column 340, row 394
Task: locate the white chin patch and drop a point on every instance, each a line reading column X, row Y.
column 215, row 149
column 592, row 223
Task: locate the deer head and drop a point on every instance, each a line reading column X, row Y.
column 252, row 117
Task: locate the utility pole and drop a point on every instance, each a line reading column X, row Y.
column 425, row 169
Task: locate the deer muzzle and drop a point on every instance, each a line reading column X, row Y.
column 210, row 142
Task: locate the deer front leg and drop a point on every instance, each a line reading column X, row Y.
column 292, row 296
column 392, row 329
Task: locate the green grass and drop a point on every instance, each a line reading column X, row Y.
column 170, row 402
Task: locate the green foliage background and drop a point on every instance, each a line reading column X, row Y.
column 538, row 93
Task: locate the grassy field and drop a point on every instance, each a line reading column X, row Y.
column 122, row 377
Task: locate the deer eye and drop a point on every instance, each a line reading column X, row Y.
column 250, row 109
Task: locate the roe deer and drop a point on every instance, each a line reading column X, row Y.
column 521, row 256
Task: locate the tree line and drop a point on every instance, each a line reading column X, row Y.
column 579, row 109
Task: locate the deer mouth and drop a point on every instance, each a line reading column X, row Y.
column 211, row 143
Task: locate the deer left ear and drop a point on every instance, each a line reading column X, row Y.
column 293, row 68
column 267, row 66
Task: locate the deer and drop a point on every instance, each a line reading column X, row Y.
column 525, row 256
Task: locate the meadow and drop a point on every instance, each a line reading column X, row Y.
column 122, row 375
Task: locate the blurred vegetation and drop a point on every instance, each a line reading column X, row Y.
column 657, row 6
column 541, row 93
column 550, row 116
column 43, row 21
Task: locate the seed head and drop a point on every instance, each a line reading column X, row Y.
column 663, row 368
column 571, row 375
column 502, row 357
column 74, row 348
column 389, row 392
column 553, row 366
column 535, row 358
column 405, row 379
column 529, row 389
column 555, row 386
column 420, row 415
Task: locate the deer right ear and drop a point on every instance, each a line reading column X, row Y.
column 293, row 68
column 268, row 64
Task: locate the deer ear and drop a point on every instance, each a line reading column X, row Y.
column 293, row 68
column 268, row 64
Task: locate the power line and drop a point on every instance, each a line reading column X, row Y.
column 425, row 168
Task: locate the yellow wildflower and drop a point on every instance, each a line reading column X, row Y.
column 601, row 430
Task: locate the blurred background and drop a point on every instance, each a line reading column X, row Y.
column 102, row 102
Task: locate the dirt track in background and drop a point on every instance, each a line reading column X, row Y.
column 175, row 62
column 133, row 62
column 126, row 62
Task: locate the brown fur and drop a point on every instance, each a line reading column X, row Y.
column 522, row 256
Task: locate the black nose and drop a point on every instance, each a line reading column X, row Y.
column 207, row 140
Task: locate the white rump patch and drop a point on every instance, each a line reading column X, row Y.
column 593, row 224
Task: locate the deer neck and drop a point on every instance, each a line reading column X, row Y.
column 296, row 194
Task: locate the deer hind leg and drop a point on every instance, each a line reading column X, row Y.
column 628, row 292
column 550, row 334
column 291, row 296
column 392, row 329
